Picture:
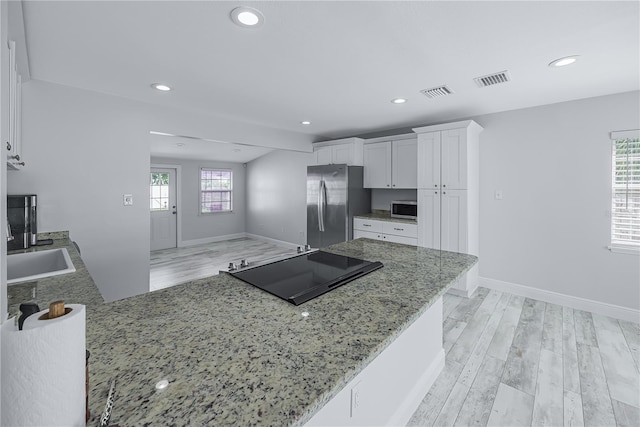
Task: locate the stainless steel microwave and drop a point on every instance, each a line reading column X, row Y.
column 407, row 209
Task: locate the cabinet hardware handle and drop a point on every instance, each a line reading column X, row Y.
column 443, row 185
column 16, row 157
column 436, row 192
column 398, row 229
column 8, row 146
column 366, row 225
column 436, row 185
column 19, row 163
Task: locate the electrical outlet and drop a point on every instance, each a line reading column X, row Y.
column 356, row 399
column 127, row 199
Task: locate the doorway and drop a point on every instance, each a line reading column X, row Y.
column 163, row 207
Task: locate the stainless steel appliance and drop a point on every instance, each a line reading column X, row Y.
column 22, row 218
column 407, row 209
column 303, row 277
column 335, row 194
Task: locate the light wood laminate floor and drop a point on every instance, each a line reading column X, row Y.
column 170, row 267
column 514, row 361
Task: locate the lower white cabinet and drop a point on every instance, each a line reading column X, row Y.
column 443, row 220
column 390, row 231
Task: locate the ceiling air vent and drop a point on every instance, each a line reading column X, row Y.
column 436, row 92
column 492, row 79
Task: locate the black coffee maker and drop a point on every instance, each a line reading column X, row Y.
column 22, row 218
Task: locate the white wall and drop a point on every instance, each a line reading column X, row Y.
column 381, row 198
column 551, row 230
column 84, row 150
column 197, row 227
column 277, row 196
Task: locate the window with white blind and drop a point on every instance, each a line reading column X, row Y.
column 216, row 190
column 625, row 200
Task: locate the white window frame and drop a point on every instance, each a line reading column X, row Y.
column 630, row 191
column 201, row 191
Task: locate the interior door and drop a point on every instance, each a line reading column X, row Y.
column 162, row 197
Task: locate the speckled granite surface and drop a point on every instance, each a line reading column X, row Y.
column 235, row 355
column 76, row 288
column 382, row 215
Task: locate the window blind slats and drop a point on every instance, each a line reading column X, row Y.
column 625, row 200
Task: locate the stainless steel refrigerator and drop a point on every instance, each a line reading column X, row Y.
column 335, row 194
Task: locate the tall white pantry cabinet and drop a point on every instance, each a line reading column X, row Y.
column 448, row 192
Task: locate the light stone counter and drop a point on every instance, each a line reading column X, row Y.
column 235, row 355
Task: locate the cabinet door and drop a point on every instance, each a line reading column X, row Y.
column 428, row 160
column 400, row 239
column 366, row 234
column 377, row 165
column 429, row 218
column 323, row 155
column 367, row 225
column 404, row 163
column 453, row 147
column 400, row 229
column 453, row 226
column 342, row 153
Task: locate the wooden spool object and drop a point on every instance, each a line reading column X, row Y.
column 56, row 309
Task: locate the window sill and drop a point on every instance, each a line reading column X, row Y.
column 625, row 249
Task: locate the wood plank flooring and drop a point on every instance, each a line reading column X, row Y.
column 514, row 361
column 170, row 267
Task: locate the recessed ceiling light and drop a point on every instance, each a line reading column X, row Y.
column 561, row 62
column 160, row 86
column 398, row 100
column 305, row 122
column 247, row 17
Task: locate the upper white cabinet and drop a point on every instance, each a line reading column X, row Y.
column 14, row 142
column 448, row 192
column 391, row 164
column 341, row 151
column 444, row 159
column 15, row 72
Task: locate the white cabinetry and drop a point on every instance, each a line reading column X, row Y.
column 391, row 164
column 14, row 142
column 390, row 231
column 448, row 192
column 341, row 151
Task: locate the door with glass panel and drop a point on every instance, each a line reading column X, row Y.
column 162, row 192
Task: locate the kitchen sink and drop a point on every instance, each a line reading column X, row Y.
column 37, row 265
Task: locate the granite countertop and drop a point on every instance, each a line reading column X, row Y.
column 236, row 355
column 382, row 215
column 73, row 288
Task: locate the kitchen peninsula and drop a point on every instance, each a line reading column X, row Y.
column 235, row 355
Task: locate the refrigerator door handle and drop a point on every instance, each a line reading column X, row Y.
column 322, row 200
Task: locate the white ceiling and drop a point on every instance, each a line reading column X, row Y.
column 337, row 63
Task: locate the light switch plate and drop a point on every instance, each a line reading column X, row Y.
column 127, row 199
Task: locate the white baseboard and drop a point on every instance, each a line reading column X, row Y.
column 605, row 309
column 205, row 240
column 274, row 241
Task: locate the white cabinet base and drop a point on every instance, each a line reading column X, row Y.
column 467, row 285
column 391, row 387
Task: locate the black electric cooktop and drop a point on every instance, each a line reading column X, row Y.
column 307, row 276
